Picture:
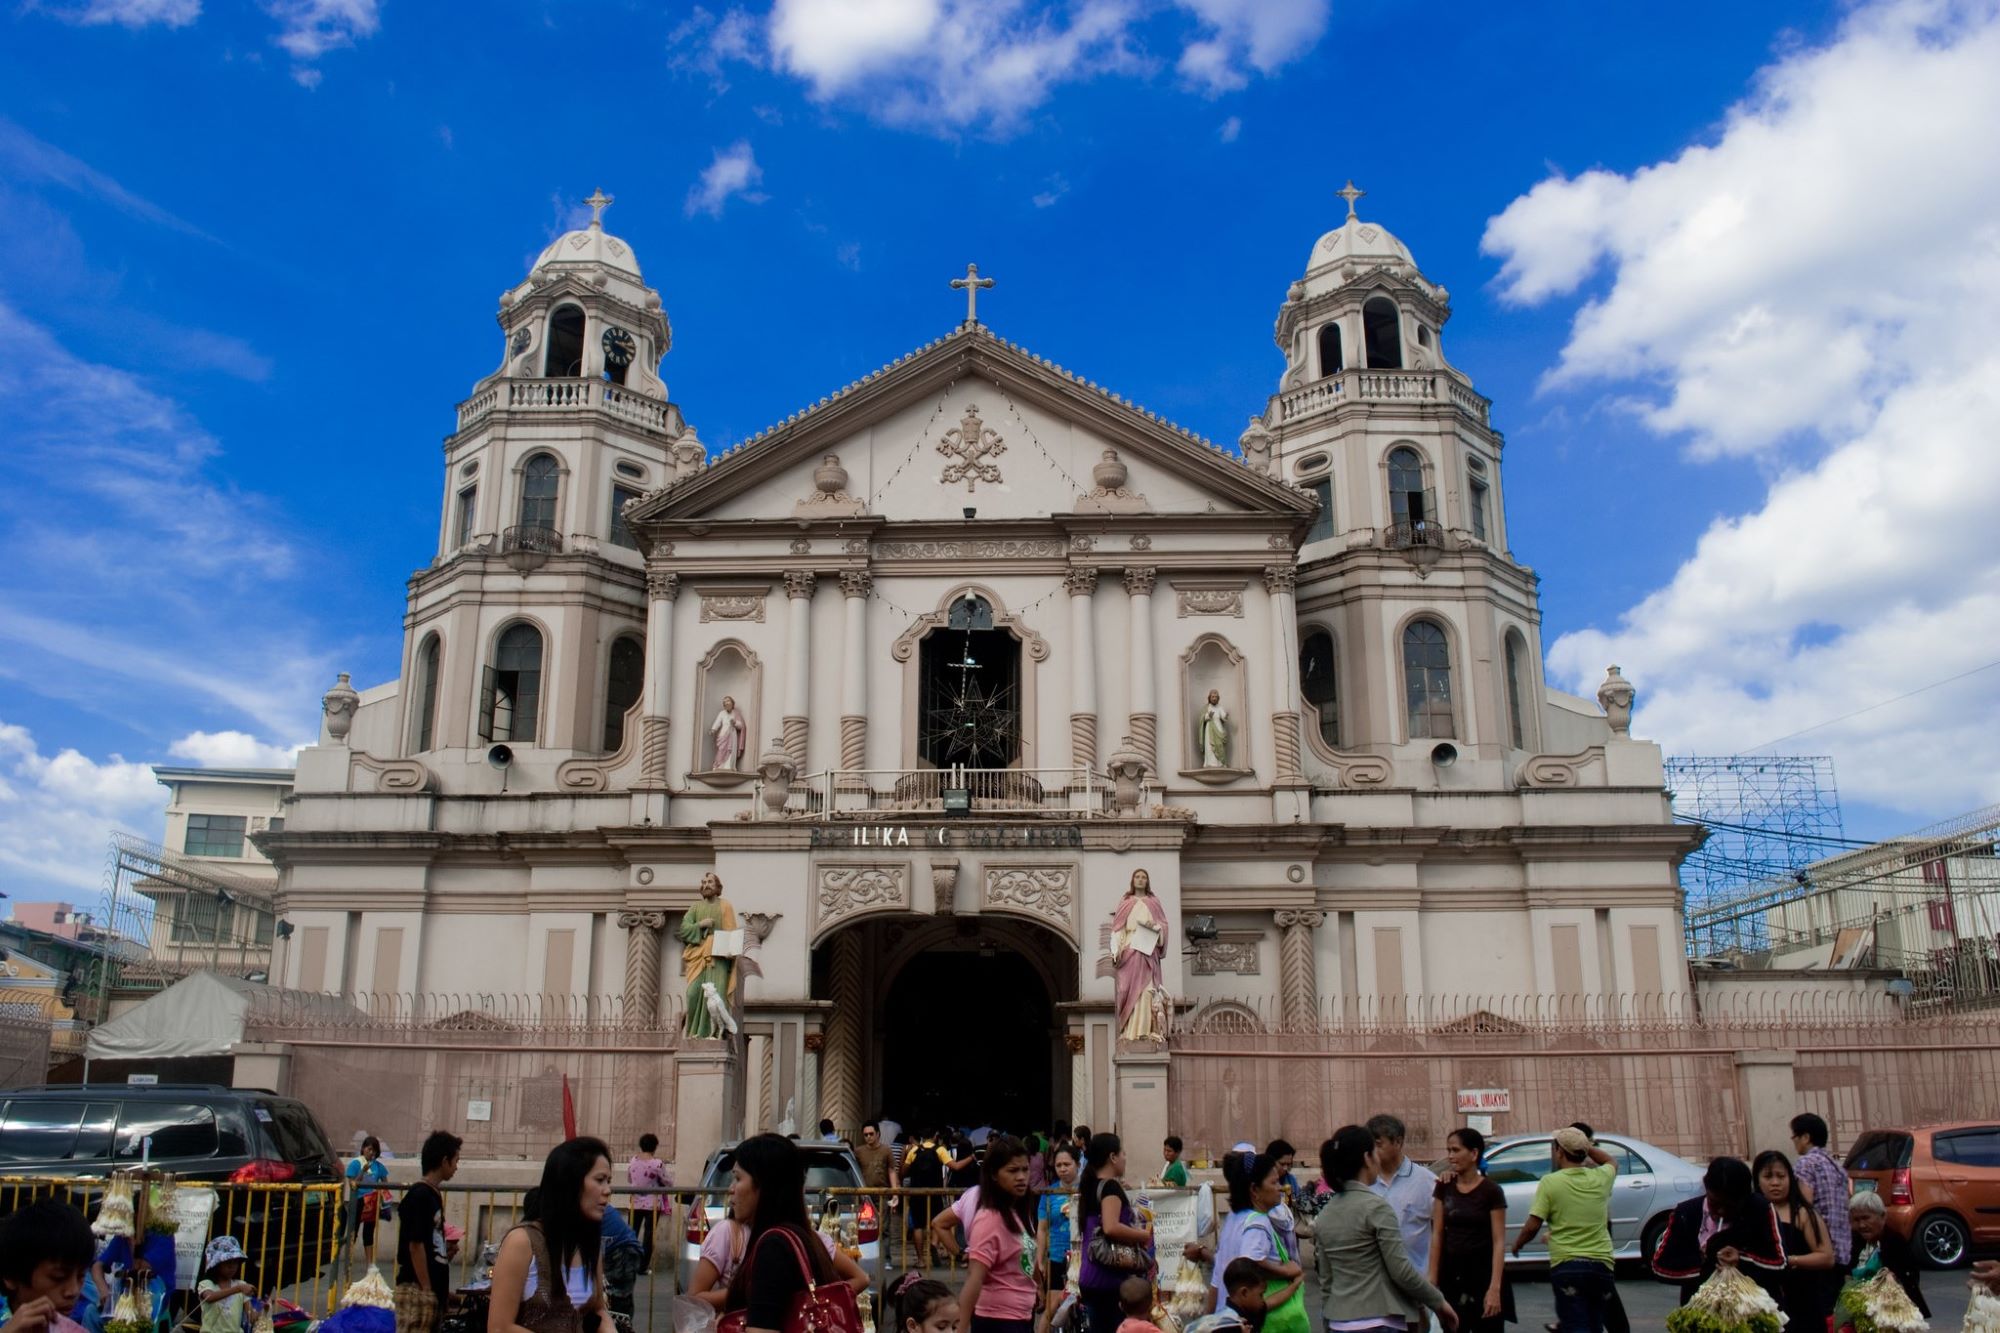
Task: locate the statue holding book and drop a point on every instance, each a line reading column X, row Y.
column 710, row 945
column 1138, row 947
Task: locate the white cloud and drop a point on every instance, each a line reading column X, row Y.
column 946, row 64
column 28, row 159
column 132, row 13
column 734, row 172
column 233, row 749
column 1818, row 287
column 308, row 29
column 1053, row 189
column 1232, row 129
column 56, row 812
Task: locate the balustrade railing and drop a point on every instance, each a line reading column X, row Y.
column 1403, row 536
column 565, row 395
column 974, row 791
column 1377, row 386
column 531, row 537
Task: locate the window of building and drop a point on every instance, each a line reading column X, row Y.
column 214, row 835
column 430, row 658
column 564, row 358
column 1407, row 501
column 1322, row 526
column 1423, row 335
column 1427, row 680
column 627, row 468
column 1317, row 681
column 511, row 696
column 621, row 534
column 277, row 824
column 621, row 688
column 1329, row 349
column 541, row 482
column 471, row 468
column 202, row 918
column 468, row 516
column 1382, row 333
column 1516, row 731
column 1475, row 503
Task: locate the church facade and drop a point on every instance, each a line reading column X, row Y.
column 924, row 672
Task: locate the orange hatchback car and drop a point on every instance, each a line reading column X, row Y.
column 1941, row 1183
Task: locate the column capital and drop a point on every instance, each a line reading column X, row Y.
column 800, row 582
column 662, row 585
column 853, row 582
column 1080, row 582
column 1280, row 579
column 642, row 920
column 1303, row 918
column 1139, row 582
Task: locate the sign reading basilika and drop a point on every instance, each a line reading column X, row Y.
column 1484, row 1101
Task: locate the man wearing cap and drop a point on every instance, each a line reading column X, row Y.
column 1574, row 1202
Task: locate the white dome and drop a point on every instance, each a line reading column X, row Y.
column 590, row 245
column 1359, row 245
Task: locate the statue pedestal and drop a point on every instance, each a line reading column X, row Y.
column 703, row 1073
column 1140, row 1076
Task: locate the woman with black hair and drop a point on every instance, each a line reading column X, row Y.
column 1468, row 1259
column 549, row 1277
column 999, row 1293
column 1730, row 1223
column 1810, row 1283
column 767, row 1194
column 1366, row 1280
column 1101, row 1206
column 1250, row 1232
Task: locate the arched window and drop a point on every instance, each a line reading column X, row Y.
column 564, row 358
column 430, row 657
column 1427, row 680
column 512, row 694
column 1407, row 501
column 621, row 687
column 1329, row 349
column 1382, row 333
column 541, row 480
column 1515, row 730
column 1317, row 682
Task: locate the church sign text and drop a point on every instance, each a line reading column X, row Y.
column 949, row 835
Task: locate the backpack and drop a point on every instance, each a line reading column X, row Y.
column 926, row 1170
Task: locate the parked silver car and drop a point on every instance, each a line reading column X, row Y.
column 1650, row 1182
column 854, row 1222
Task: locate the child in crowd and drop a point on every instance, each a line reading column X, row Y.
column 223, row 1292
column 1175, row 1171
column 1245, row 1281
column 1135, row 1297
column 45, row 1254
column 922, row 1305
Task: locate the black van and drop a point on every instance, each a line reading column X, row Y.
column 200, row 1132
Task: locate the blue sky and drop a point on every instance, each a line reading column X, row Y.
column 1728, row 271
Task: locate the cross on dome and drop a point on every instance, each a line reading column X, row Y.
column 971, row 283
column 1350, row 194
column 598, row 201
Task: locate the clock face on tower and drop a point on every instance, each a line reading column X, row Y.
column 619, row 347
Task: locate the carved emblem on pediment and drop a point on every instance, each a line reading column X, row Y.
column 732, row 606
column 972, row 444
column 848, row 890
column 1230, row 951
column 1208, row 600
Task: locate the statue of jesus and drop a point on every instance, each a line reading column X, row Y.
column 728, row 732
column 1214, row 733
column 1138, row 946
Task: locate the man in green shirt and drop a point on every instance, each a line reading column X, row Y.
column 1175, row 1171
column 1574, row 1201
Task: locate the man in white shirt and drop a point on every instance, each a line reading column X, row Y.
column 1408, row 1189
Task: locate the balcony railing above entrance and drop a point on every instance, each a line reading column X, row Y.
column 570, row 395
column 1068, row 792
column 529, row 545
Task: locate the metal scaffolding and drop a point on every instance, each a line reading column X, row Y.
column 1768, row 817
column 171, row 914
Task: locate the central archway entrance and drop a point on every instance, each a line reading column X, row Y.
column 959, row 1022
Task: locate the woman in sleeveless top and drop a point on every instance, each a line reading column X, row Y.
column 549, row 1277
column 1810, row 1284
column 1102, row 1206
column 767, row 1193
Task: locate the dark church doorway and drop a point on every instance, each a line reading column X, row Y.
column 969, row 700
column 966, row 1041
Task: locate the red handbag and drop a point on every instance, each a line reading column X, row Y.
column 817, row 1309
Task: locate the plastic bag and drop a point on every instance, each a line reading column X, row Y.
column 692, row 1316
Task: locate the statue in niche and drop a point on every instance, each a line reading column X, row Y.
column 1214, row 732
column 710, row 946
column 728, row 733
column 1138, row 946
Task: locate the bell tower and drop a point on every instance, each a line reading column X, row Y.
column 528, row 628
column 1419, row 634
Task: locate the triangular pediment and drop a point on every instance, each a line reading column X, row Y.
column 971, row 421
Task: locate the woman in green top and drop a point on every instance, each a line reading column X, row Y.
column 1175, row 1171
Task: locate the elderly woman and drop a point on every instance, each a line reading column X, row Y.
column 1876, row 1247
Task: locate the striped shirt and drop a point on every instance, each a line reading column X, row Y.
column 1829, row 1191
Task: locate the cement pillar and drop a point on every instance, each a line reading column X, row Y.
column 1768, row 1092
column 798, row 662
column 855, row 585
column 1297, row 972
column 1145, row 714
column 1279, row 582
column 661, row 590
column 1082, row 585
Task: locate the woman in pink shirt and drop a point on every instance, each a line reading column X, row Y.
column 1000, row 1290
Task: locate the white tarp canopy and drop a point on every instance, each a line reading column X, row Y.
column 202, row 1015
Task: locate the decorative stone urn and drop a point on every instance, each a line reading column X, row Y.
column 1110, row 472
column 339, row 704
column 1615, row 697
column 830, row 478
column 1256, row 445
column 1127, row 768
column 777, row 770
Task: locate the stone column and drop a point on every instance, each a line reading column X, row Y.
column 1082, row 585
column 808, row 1109
column 1298, row 979
column 661, row 589
column 855, row 585
column 642, row 966
column 798, row 662
column 840, row 1079
column 1279, row 582
column 1079, row 1080
column 1145, row 719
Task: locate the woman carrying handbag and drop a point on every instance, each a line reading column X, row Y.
column 1115, row 1245
column 787, row 1282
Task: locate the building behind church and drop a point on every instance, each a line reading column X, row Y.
column 923, row 673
